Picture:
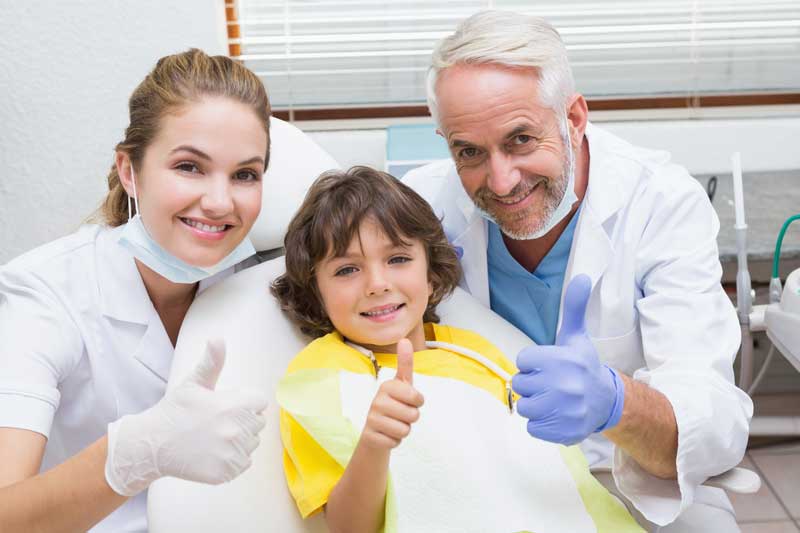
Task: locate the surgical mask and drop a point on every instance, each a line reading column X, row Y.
column 565, row 205
column 142, row 246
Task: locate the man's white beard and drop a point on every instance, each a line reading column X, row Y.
column 553, row 212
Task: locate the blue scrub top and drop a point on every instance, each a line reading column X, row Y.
column 529, row 300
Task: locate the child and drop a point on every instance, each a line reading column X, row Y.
column 367, row 262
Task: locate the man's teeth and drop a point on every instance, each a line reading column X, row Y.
column 382, row 311
column 204, row 227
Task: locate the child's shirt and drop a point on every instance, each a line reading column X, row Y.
column 468, row 463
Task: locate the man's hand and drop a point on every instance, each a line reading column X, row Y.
column 396, row 405
column 567, row 393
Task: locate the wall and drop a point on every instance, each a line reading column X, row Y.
column 66, row 71
column 704, row 146
column 68, row 67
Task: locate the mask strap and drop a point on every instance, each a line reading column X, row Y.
column 135, row 196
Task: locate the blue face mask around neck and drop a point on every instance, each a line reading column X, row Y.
column 136, row 239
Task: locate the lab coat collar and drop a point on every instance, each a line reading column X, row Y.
column 592, row 249
column 472, row 240
column 604, row 192
column 122, row 290
column 124, row 298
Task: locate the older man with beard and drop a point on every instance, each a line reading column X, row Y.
column 640, row 371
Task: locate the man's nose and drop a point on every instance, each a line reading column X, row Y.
column 217, row 199
column 503, row 174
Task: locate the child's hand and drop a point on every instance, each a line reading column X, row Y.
column 396, row 405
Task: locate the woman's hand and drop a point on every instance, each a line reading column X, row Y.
column 193, row 433
column 396, row 405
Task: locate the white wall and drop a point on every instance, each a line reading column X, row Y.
column 703, row 146
column 67, row 69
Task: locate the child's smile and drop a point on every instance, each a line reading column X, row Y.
column 377, row 293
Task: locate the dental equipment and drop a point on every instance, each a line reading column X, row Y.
column 780, row 318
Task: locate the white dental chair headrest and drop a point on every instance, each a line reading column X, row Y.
column 295, row 162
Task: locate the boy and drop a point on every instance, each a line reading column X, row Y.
column 367, row 262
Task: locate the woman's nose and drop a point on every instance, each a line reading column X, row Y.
column 217, row 198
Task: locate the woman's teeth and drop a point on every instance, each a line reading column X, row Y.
column 204, row 227
column 382, row 311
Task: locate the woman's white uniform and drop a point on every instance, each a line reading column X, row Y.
column 82, row 345
column 646, row 237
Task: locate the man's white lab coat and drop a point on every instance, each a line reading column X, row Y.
column 646, row 237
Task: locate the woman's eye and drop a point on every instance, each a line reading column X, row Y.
column 187, row 166
column 247, row 175
column 344, row 271
column 399, row 259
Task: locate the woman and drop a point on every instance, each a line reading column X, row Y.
column 89, row 322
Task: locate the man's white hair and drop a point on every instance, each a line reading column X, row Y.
column 510, row 39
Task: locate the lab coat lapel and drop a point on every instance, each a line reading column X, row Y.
column 592, row 248
column 590, row 254
column 474, row 261
column 473, row 240
column 155, row 350
column 125, row 301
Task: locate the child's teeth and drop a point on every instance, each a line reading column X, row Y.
column 383, row 312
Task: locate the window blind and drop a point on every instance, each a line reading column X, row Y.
column 325, row 53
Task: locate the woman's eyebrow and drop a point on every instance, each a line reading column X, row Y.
column 203, row 155
column 191, row 149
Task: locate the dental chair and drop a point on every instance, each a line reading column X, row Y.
column 260, row 343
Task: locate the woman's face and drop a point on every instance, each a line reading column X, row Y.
column 199, row 183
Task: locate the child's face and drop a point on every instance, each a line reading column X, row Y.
column 378, row 292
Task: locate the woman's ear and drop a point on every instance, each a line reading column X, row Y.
column 124, row 171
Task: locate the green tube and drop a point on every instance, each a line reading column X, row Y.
column 776, row 258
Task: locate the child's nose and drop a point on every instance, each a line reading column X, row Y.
column 377, row 283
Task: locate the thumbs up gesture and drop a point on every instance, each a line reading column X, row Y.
column 396, row 404
column 194, row 432
column 566, row 392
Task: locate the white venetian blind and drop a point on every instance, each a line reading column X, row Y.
column 325, row 53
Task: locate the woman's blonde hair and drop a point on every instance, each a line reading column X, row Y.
column 176, row 80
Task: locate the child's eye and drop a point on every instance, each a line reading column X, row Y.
column 188, row 166
column 344, row 271
column 399, row 259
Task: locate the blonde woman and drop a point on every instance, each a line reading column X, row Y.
column 89, row 322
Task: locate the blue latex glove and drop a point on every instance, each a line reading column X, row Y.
column 566, row 392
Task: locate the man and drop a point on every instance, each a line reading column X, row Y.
column 535, row 196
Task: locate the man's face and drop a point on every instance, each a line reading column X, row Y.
column 508, row 149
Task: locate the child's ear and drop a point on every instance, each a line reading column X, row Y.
column 430, row 288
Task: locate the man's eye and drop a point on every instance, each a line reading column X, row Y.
column 344, row 271
column 247, row 175
column 521, row 139
column 467, row 153
column 187, row 166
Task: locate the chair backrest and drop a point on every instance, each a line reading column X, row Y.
column 295, row 162
column 260, row 343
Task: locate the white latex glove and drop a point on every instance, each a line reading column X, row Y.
column 193, row 433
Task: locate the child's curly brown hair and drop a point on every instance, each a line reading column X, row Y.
column 329, row 218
